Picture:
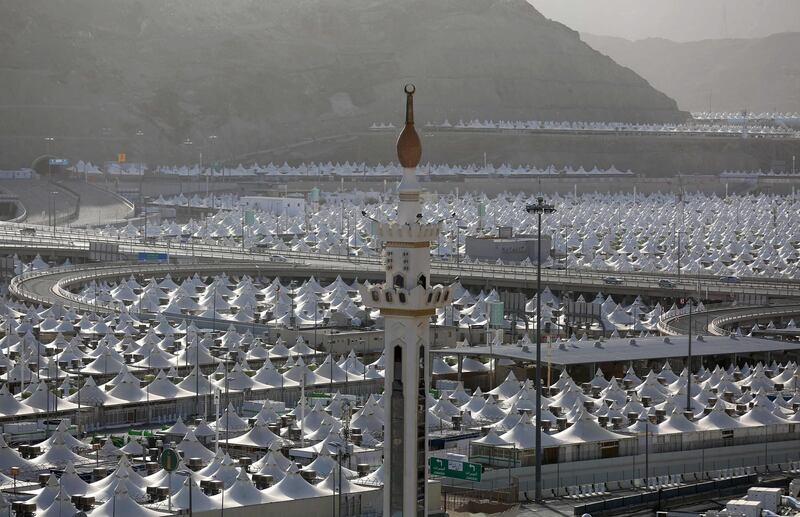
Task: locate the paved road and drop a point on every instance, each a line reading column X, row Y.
column 297, row 264
column 98, row 206
column 35, row 196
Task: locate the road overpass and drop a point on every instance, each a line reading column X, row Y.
column 52, row 285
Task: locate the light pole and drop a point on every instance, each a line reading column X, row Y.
column 345, row 435
column 683, row 222
column 53, row 209
column 212, row 139
column 14, row 473
column 47, row 141
column 646, row 448
column 292, row 325
column 690, row 301
column 189, row 483
column 539, row 208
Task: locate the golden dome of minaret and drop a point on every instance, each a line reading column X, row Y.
column 409, row 147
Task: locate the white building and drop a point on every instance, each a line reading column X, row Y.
column 292, row 206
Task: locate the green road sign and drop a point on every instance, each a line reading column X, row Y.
column 455, row 469
column 496, row 312
column 169, row 460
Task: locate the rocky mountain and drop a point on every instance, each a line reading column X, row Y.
column 721, row 75
column 147, row 76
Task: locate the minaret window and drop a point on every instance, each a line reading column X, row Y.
column 375, row 296
column 399, row 281
column 422, row 281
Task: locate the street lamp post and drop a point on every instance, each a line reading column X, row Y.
column 690, row 301
column 646, row 449
column 53, row 210
column 47, row 141
column 292, row 316
column 14, row 473
column 539, row 208
column 212, row 139
column 190, row 484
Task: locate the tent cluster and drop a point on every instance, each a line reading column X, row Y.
column 347, row 168
column 244, row 300
column 754, row 174
column 472, row 311
column 307, row 305
column 214, row 479
column 692, row 128
column 740, row 236
column 739, row 116
column 111, row 168
column 736, row 403
column 122, row 351
column 37, row 263
column 789, row 328
column 752, row 235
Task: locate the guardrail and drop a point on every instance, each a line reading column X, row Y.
column 125, row 201
column 22, row 213
column 72, row 214
column 522, row 276
column 665, row 321
column 779, row 287
column 717, row 325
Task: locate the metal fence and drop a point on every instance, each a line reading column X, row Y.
column 458, row 498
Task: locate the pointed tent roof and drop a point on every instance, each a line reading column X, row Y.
column 586, row 430
column 121, row 503
column 61, row 505
column 242, row 493
column 293, row 486
column 200, row 501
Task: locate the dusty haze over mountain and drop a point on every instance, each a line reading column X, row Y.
column 677, row 20
column 259, row 74
column 759, row 74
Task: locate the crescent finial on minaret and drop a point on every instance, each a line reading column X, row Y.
column 409, row 147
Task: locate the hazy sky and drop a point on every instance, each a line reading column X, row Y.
column 679, row 20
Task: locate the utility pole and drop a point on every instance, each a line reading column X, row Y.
column 539, row 208
column 689, row 361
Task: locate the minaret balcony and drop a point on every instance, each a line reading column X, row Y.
column 394, row 232
column 417, row 301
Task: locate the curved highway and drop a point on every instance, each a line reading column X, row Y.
column 50, row 286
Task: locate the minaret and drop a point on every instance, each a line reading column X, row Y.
column 407, row 301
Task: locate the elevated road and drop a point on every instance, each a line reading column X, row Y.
column 723, row 324
column 51, row 286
